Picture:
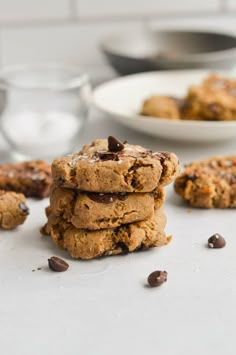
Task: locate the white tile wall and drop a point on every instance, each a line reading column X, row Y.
column 230, row 4
column 69, row 31
column 30, row 10
column 102, row 8
column 224, row 23
column 76, row 44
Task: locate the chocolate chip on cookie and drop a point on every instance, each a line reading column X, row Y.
column 216, row 241
column 107, row 156
column 114, row 145
column 57, row 264
column 23, row 208
column 157, row 278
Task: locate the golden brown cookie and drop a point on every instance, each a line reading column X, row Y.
column 97, row 168
column 214, row 99
column 32, row 178
column 102, row 210
column 209, row 183
column 85, row 244
column 161, row 107
column 13, row 209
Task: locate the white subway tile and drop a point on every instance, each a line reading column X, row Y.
column 76, row 44
column 30, row 10
column 102, row 8
column 224, row 23
column 230, row 4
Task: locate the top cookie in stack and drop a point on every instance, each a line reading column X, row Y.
column 107, row 199
column 112, row 166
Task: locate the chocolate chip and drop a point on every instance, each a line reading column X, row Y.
column 57, row 264
column 114, row 145
column 216, row 241
column 123, row 247
column 24, row 208
column 191, row 177
column 157, row 278
column 108, row 156
column 107, row 197
column 125, row 142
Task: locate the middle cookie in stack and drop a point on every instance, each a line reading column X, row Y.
column 106, row 222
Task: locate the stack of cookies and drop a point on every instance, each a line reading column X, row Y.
column 108, row 199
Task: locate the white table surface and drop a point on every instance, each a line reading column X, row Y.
column 103, row 307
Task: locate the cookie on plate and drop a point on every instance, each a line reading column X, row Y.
column 161, row 107
column 209, row 183
column 213, row 100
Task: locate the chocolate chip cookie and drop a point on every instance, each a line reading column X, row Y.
column 100, row 168
column 103, row 210
column 32, row 178
column 87, row 244
column 213, row 100
column 13, row 209
column 209, row 183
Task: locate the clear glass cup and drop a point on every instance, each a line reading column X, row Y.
column 43, row 109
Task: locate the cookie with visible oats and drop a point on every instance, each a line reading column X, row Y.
column 212, row 100
column 13, row 209
column 32, row 178
column 209, row 183
column 103, row 210
column 107, row 167
column 87, row 244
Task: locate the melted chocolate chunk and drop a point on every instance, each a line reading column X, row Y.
column 108, row 156
column 123, row 247
column 114, row 145
column 107, row 197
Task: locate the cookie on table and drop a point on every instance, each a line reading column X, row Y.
column 161, row 107
column 32, row 178
column 86, row 244
column 209, row 183
column 214, row 99
column 13, row 209
column 106, row 166
column 103, row 210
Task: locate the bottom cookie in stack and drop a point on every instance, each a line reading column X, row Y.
column 89, row 244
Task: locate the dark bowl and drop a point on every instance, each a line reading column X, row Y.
column 169, row 49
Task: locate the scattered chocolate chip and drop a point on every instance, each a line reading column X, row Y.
column 114, row 145
column 216, row 241
column 57, row 264
column 125, row 142
column 33, row 270
column 157, row 278
column 39, row 268
column 23, row 208
column 108, row 156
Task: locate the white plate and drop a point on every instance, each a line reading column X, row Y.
column 122, row 98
